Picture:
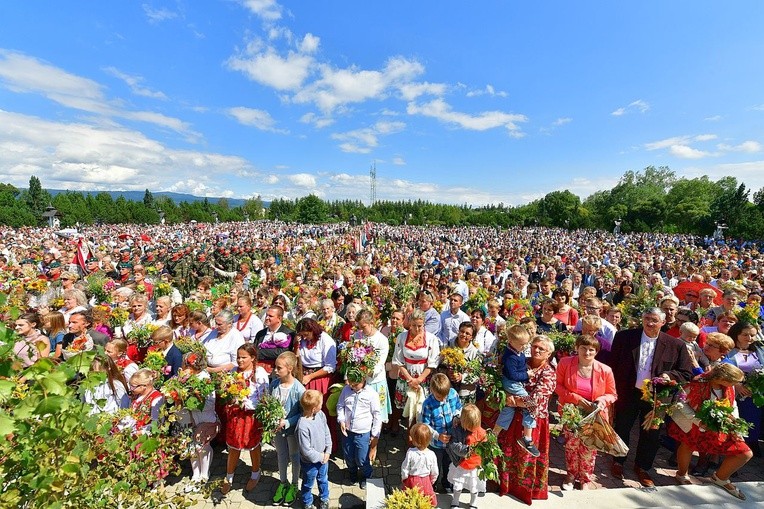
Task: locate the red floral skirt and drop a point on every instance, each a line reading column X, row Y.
column 242, row 431
column 520, row 474
column 709, row 442
column 425, row 484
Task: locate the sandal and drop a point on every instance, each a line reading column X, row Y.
column 727, row 486
column 682, row 480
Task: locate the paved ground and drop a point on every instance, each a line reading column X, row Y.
column 391, row 452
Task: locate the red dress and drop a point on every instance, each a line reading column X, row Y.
column 242, row 430
column 709, row 442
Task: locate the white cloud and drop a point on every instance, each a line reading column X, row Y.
column 316, row 121
column 254, row 117
column 135, row 83
column 714, row 118
column 759, row 107
column 303, row 180
column 269, row 10
column 705, row 137
column 271, row 179
column 749, row 147
column 638, row 105
column 687, row 152
column 81, row 156
column 156, row 16
column 309, row 44
column 442, row 111
column 562, row 121
column 488, row 90
column 362, row 141
column 678, row 140
column 23, row 74
column 411, row 91
column 399, row 161
column 337, row 87
column 273, row 70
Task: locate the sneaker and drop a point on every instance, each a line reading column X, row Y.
column 280, row 492
column 362, row 484
column 290, row 495
column 324, row 504
column 529, row 446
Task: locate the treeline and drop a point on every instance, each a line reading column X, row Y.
column 650, row 200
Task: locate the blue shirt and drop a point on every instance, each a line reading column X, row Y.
column 514, row 365
column 439, row 415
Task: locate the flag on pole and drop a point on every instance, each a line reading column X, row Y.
column 83, row 253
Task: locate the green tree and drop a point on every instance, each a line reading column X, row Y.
column 311, row 209
column 148, row 199
column 36, row 198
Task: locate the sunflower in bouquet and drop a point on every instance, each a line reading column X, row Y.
column 118, row 317
column 269, row 412
column 357, row 354
column 232, row 387
column 716, row 415
column 161, row 289
column 452, row 357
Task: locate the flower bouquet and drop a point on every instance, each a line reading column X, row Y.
column 477, row 300
column 716, row 415
column 517, row 309
column 570, row 417
column 156, row 362
column 162, row 289
column 564, row 342
column 661, row 393
column 408, row 498
column 187, row 390
column 36, row 286
column 141, row 335
column 358, row 355
column 269, row 411
column 118, row 317
column 488, row 450
column 490, row 381
column 232, row 388
column 100, row 287
column 392, row 339
column 80, row 344
column 187, row 344
column 754, row 381
column 452, row 358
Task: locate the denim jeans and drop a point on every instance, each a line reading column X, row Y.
column 312, row 472
column 355, row 446
column 508, row 412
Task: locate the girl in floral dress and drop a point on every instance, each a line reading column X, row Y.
column 717, row 384
column 117, row 350
column 243, row 432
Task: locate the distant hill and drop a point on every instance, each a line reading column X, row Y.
column 176, row 197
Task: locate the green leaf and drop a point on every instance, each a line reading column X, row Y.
column 7, row 425
column 6, row 389
column 52, row 405
column 150, row 446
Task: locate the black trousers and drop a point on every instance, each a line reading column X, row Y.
column 444, row 462
column 648, row 444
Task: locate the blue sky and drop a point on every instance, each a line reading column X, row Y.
column 454, row 102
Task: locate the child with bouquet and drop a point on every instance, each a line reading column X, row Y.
column 202, row 420
column 716, row 428
column 242, row 430
column 465, row 463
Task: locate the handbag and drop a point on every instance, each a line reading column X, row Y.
column 596, row 433
column 682, row 414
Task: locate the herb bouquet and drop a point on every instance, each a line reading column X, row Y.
column 188, row 390
column 357, row 355
column 141, row 335
column 232, row 388
column 716, row 415
column 156, row 362
column 754, row 381
column 488, row 450
column 661, row 393
column 269, row 411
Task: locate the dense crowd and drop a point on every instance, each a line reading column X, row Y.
column 318, row 338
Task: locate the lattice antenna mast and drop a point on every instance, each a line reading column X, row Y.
column 373, row 184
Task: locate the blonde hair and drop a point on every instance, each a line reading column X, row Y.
column 420, row 436
column 311, row 400
column 517, row 333
column 721, row 341
column 120, row 344
column 470, row 417
column 293, row 362
column 592, row 321
column 689, row 328
column 143, row 376
column 725, row 372
column 163, row 333
column 440, row 385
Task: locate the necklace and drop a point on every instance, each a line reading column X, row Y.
column 245, row 323
column 585, row 371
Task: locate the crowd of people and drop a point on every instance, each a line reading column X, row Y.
column 580, row 317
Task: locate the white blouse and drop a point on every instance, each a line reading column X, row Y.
column 419, row 464
column 222, row 349
column 249, row 328
column 416, row 360
column 206, row 414
column 322, row 355
column 104, row 400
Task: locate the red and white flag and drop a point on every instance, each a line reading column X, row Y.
column 83, row 253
